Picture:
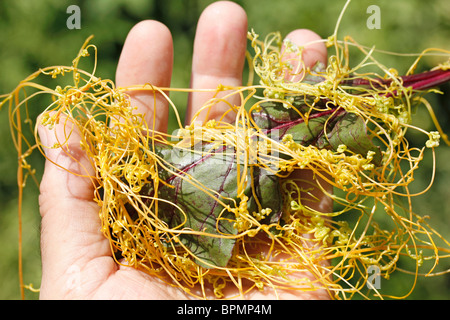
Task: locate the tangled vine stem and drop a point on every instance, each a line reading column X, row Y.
column 250, row 225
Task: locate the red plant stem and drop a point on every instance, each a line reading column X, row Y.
column 287, row 125
column 420, row 81
column 426, row 80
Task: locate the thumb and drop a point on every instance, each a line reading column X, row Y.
column 70, row 235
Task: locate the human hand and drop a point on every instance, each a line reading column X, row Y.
column 77, row 262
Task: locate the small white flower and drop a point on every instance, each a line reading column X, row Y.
column 433, row 142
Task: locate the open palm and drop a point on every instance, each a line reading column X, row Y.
column 77, row 262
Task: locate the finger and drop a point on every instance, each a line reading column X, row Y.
column 70, row 235
column 218, row 58
column 147, row 58
column 314, row 50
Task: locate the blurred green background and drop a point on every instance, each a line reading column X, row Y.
column 33, row 34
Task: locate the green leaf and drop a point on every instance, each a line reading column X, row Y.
column 350, row 130
column 325, row 129
column 198, row 171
